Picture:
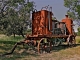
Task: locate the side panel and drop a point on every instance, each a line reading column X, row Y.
column 36, row 17
column 40, row 22
column 69, row 24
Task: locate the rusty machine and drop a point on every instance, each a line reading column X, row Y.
column 47, row 33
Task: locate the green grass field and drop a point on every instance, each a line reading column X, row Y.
column 58, row 53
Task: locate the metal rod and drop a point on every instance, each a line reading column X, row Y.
column 49, row 19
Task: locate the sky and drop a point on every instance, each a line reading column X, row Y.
column 58, row 8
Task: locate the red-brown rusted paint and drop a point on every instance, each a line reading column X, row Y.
column 40, row 22
column 68, row 23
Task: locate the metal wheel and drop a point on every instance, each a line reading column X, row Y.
column 44, row 45
column 71, row 40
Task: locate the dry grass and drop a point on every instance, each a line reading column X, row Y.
column 1, row 35
column 58, row 53
column 77, row 39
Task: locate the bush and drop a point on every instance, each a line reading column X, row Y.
column 78, row 33
column 1, row 32
column 28, row 30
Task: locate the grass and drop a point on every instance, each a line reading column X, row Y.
column 77, row 39
column 58, row 52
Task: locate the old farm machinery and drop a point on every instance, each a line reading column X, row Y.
column 47, row 33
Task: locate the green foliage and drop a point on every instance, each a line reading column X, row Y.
column 69, row 3
column 29, row 30
column 74, row 7
column 78, row 33
column 78, row 29
column 13, row 16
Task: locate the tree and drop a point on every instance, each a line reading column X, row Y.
column 78, row 33
column 13, row 16
column 73, row 9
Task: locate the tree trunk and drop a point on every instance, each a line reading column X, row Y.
column 14, row 35
column 22, row 34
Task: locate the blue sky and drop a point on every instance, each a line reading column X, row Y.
column 58, row 8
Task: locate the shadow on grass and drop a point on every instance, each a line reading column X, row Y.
column 18, row 56
column 7, row 47
column 62, row 47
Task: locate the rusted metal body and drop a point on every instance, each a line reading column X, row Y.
column 43, row 25
column 41, row 22
column 69, row 25
column 46, row 29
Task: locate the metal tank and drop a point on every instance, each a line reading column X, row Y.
column 41, row 22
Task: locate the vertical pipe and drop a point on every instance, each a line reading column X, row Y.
column 49, row 19
column 65, row 29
